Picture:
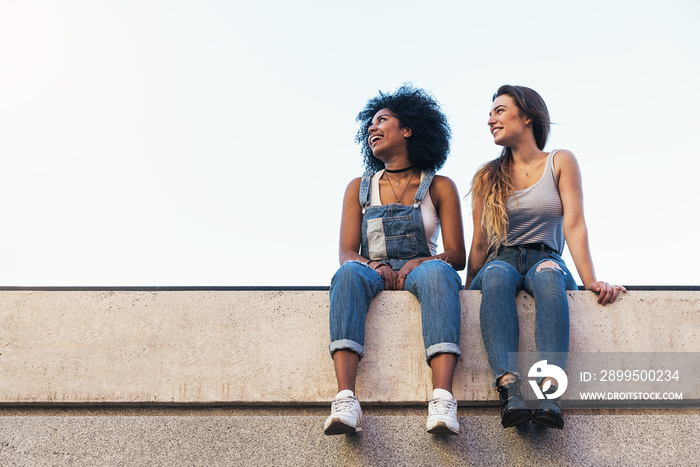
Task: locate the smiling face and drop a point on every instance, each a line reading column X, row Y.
column 386, row 136
column 507, row 123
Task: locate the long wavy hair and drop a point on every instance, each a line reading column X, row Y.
column 492, row 184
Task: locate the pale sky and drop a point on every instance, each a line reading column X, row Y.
column 209, row 143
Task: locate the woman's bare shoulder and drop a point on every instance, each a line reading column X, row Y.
column 565, row 156
column 443, row 182
column 354, row 185
column 564, row 160
column 443, row 188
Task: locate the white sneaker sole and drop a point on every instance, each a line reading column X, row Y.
column 441, row 428
column 338, row 427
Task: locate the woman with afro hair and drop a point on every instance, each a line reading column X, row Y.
column 391, row 220
column 526, row 204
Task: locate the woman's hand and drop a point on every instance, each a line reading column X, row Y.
column 606, row 293
column 389, row 276
column 405, row 271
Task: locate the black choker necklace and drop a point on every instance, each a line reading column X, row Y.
column 400, row 170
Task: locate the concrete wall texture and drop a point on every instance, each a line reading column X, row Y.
column 244, row 378
column 262, row 347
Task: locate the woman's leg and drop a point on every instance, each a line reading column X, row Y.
column 436, row 285
column 345, row 363
column 547, row 283
column 443, row 368
column 499, row 283
column 352, row 288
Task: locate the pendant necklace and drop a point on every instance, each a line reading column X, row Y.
column 398, row 198
column 527, row 172
column 397, row 180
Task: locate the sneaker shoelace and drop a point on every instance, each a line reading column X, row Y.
column 442, row 406
column 342, row 405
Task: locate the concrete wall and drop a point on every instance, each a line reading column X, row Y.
column 256, row 347
column 398, row 438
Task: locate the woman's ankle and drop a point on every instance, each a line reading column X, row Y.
column 508, row 378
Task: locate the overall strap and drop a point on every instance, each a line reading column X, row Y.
column 423, row 188
column 364, row 189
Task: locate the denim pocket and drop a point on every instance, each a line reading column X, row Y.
column 400, row 237
column 402, row 246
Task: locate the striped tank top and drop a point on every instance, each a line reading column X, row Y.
column 537, row 216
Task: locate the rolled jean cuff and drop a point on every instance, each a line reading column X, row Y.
column 443, row 347
column 347, row 344
column 497, row 377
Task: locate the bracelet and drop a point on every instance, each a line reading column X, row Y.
column 370, row 261
column 380, row 265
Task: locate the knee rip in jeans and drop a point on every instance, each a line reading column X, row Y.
column 549, row 265
column 439, row 260
column 495, row 265
column 358, row 262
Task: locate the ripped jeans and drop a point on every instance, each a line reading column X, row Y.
column 435, row 284
column 506, row 273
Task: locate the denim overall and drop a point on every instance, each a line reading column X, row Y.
column 394, row 234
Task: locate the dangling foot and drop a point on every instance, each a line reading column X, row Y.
column 442, row 414
column 346, row 415
column 513, row 409
column 549, row 412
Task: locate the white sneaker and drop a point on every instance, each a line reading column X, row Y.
column 442, row 414
column 346, row 415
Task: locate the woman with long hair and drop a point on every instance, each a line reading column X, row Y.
column 526, row 204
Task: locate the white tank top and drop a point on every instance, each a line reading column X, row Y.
column 431, row 221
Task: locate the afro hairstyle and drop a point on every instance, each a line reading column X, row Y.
column 429, row 143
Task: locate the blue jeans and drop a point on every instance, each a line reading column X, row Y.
column 500, row 280
column 435, row 284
